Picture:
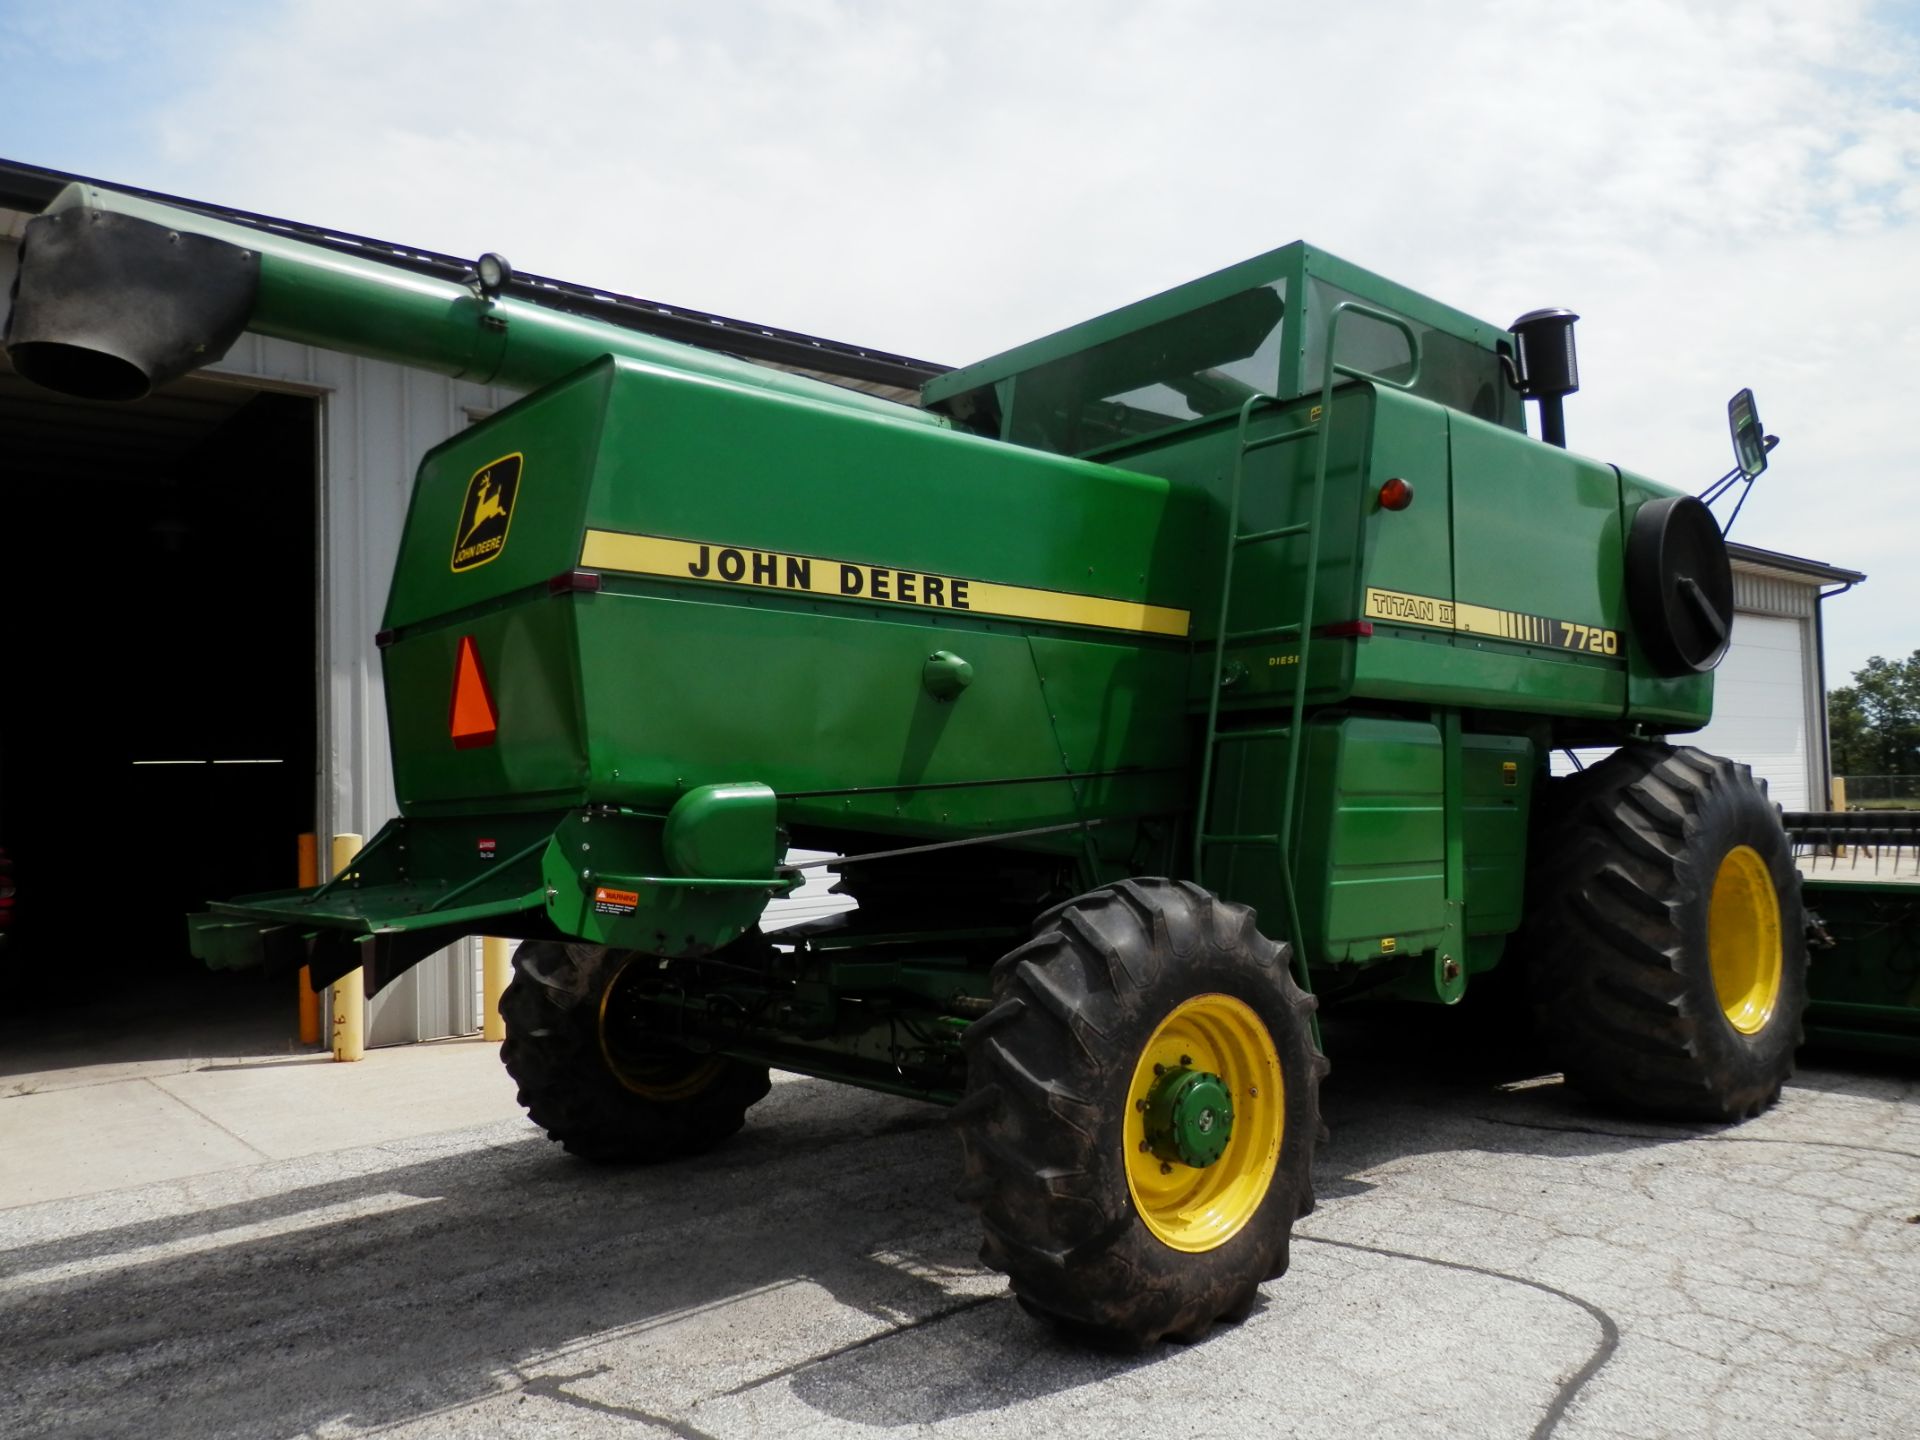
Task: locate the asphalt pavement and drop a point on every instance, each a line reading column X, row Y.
column 261, row 1246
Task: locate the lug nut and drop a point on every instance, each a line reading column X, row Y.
column 1165, row 1168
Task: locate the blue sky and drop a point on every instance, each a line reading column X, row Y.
column 1729, row 193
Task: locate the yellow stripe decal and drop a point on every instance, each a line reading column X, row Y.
column 849, row 580
column 1397, row 607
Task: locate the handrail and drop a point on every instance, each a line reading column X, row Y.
column 1320, row 425
column 1203, row 799
column 1385, row 317
column 1315, row 498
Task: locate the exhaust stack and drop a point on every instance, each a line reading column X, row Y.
column 1549, row 367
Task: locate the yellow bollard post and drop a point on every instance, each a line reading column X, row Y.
column 350, row 990
column 495, row 967
column 309, row 998
column 1839, row 783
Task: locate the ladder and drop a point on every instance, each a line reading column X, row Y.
column 1319, row 426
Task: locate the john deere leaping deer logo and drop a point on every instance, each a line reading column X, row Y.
column 486, row 513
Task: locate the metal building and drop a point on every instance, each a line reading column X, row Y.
column 1770, row 690
column 322, row 521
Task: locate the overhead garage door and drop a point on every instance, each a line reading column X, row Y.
column 1759, row 710
column 1760, row 707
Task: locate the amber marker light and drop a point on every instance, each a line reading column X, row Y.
column 1396, row 494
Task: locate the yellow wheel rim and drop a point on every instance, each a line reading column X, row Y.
column 665, row 1077
column 1743, row 940
column 1195, row 1209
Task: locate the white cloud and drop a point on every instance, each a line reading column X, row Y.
column 1728, row 192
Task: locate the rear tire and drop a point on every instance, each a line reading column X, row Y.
column 604, row 1101
column 1096, row 1232
column 1667, row 944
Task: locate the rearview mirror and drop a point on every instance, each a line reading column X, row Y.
column 1749, row 439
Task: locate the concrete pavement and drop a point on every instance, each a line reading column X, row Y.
column 65, row 1137
column 386, row 1249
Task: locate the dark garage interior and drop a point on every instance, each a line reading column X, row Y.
column 158, row 587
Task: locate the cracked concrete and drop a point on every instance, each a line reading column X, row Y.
column 1491, row 1257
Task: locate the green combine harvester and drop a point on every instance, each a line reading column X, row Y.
column 1159, row 681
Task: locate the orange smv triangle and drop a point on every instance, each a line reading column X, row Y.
column 470, row 718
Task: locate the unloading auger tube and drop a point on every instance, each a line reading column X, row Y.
column 116, row 295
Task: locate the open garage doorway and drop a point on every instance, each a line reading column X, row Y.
column 157, row 705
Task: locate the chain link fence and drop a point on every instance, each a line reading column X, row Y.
column 1883, row 792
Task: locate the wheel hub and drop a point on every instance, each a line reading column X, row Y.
column 1189, row 1116
column 1205, row 1120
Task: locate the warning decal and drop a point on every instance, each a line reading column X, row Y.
column 608, row 901
column 486, row 513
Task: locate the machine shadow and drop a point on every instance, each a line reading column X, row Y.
column 451, row 1279
column 1407, row 1080
column 397, row 1292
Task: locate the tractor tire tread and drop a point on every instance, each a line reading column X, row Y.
column 1620, row 986
column 1055, row 1206
column 553, row 1053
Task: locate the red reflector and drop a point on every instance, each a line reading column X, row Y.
column 1348, row 630
column 470, row 718
column 570, row 580
column 1396, row 494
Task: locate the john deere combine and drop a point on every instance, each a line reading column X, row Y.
column 1159, row 680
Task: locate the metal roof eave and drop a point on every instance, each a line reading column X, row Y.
column 1793, row 564
column 29, row 188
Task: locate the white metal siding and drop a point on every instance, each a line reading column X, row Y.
column 376, row 420
column 1760, row 706
column 1761, row 592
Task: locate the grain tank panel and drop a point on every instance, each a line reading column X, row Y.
column 771, row 577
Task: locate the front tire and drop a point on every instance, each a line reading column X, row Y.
column 1141, row 1023
column 1667, row 948
column 602, row 1096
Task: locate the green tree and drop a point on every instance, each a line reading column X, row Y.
column 1874, row 723
column 1847, row 732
